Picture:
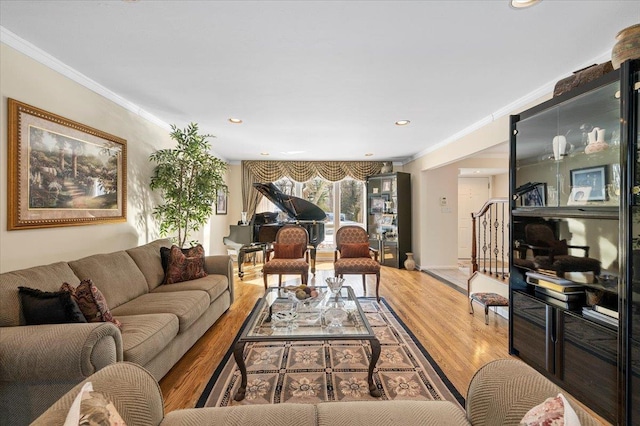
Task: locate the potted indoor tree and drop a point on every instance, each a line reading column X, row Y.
column 189, row 179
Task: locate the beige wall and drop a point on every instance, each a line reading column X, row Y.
column 29, row 81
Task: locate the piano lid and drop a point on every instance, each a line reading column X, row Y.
column 295, row 207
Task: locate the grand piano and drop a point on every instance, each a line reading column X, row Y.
column 262, row 228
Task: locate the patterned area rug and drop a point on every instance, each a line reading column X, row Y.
column 312, row 372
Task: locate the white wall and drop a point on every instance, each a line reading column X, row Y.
column 29, row 81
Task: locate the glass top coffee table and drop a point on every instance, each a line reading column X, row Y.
column 281, row 316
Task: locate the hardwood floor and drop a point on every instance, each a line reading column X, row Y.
column 437, row 314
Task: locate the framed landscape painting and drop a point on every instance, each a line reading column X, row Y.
column 62, row 173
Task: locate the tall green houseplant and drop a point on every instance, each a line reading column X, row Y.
column 189, row 179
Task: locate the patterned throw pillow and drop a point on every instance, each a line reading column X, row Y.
column 354, row 250
column 183, row 266
column 91, row 301
column 288, row 251
column 554, row 411
column 93, row 408
column 47, row 307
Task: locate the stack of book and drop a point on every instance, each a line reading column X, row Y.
column 557, row 291
column 602, row 314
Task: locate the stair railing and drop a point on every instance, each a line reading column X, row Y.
column 489, row 237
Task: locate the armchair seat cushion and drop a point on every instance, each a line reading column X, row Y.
column 286, row 266
column 568, row 263
column 356, row 265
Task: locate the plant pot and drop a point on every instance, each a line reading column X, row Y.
column 410, row 264
column 627, row 47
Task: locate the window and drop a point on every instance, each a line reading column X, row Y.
column 345, row 197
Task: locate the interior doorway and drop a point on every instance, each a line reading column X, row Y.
column 473, row 192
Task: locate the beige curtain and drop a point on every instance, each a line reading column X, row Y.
column 300, row 171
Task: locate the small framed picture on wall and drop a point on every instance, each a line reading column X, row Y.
column 221, row 203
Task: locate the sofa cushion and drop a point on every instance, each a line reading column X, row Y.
column 115, row 274
column 187, row 305
column 185, row 265
column 147, row 257
column 394, row 412
column 214, row 285
column 45, row 278
column 145, row 336
column 262, row 414
column 49, row 307
column 91, row 302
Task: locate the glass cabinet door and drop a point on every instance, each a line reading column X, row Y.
column 569, row 154
column 633, row 293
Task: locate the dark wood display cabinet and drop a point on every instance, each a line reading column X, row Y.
column 389, row 216
column 575, row 242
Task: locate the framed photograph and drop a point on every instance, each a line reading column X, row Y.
column 387, row 220
column 221, row 203
column 537, row 197
column 594, row 178
column 62, row 173
column 386, row 185
column 579, row 195
column 377, row 203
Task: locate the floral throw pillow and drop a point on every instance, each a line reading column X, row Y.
column 185, row 266
column 348, row 250
column 554, row 411
column 91, row 301
column 92, row 408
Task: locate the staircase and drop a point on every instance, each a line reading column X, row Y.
column 490, row 250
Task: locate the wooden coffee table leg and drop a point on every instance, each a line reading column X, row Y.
column 375, row 355
column 238, row 354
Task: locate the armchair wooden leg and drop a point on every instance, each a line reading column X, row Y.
column 279, row 280
column 364, row 283
column 264, row 277
column 378, row 286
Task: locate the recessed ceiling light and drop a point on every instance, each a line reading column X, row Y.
column 264, row 153
column 402, row 122
column 368, row 154
column 523, row 4
column 235, row 120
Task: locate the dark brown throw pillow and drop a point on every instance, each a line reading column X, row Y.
column 91, row 301
column 46, row 307
column 349, row 250
column 183, row 266
column 559, row 247
column 288, row 251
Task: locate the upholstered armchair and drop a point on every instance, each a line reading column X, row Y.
column 353, row 255
column 553, row 254
column 290, row 254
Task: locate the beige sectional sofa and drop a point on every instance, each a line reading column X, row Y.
column 40, row 363
column 500, row 393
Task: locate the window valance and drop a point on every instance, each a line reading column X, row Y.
column 300, row 171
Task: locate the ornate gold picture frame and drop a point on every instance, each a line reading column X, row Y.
column 62, row 173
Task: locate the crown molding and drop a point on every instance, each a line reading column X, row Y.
column 514, row 106
column 39, row 55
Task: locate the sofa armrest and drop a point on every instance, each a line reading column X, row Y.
column 221, row 265
column 132, row 389
column 57, row 351
column 503, row 391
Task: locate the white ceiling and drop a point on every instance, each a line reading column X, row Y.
column 320, row 80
